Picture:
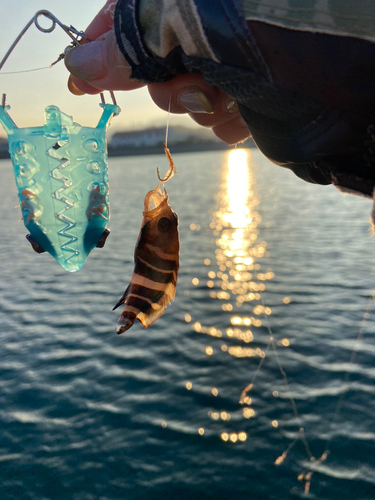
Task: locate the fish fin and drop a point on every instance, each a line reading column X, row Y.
column 122, row 300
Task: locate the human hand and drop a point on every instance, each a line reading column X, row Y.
column 99, row 65
column 206, row 105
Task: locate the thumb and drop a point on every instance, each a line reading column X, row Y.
column 101, row 65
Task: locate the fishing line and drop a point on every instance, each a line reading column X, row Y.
column 303, row 476
column 250, row 386
column 279, row 460
column 169, row 114
column 24, row 70
column 353, row 355
column 354, row 352
column 307, row 476
column 286, row 382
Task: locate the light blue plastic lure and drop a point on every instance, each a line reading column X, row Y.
column 61, row 174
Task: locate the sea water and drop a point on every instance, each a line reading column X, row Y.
column 275, row 287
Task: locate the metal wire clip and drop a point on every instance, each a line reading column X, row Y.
column 74, row 34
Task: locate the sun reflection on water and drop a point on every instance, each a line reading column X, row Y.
column 236, row 280
column 237, row 213
column 235, row 224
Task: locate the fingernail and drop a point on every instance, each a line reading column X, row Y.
column 86, row 61
column 231, row 106
column 195, row 101
column 73, row 89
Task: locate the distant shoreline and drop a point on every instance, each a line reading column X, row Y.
column 175, row 148
column 152, row 150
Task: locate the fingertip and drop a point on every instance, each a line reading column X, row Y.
column 87, row 61
column 73, row 88
column 102, row 22
column 82, row 86
column 232, row 132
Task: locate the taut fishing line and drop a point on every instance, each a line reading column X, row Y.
column 24, row 71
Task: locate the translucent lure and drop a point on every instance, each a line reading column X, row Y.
column 61, row 175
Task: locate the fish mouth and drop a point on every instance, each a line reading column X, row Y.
column 124, row 323
column 155, row 201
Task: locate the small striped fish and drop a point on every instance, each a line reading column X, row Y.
column 156, row 258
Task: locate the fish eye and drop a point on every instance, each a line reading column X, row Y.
column 164, row 225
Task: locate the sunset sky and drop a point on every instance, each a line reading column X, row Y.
column 29, row 93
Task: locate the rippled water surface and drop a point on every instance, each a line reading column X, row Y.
column 272, row 270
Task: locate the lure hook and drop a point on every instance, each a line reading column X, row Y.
column 74, row 34
column 172, row 169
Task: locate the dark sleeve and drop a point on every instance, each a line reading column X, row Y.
column 307, row 98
